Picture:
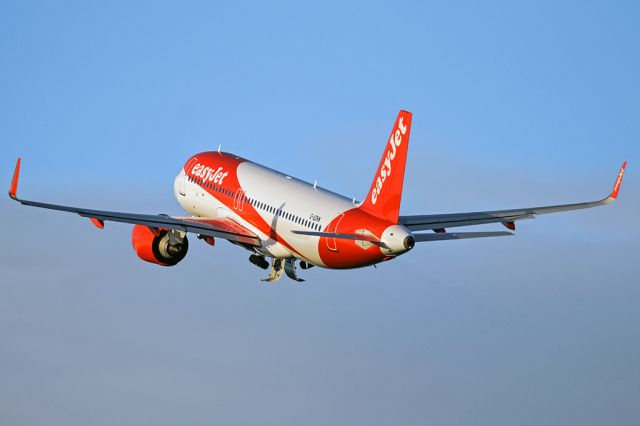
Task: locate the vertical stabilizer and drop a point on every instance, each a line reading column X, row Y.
column 383, row 199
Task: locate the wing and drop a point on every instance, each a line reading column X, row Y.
column 220, row 228
column 439, row 222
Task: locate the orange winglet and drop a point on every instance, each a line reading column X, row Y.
column 13, row 190
column 616, row 187
column 97, row 222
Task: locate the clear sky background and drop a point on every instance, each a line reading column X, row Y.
column 514, row 105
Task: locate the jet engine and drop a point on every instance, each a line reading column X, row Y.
column 160, row 246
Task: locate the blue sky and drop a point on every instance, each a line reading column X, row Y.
column 514, row 105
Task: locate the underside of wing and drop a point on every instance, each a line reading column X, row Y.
column 219, row 228
column 440, row 222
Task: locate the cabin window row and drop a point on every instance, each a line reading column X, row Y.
column 259, row 204
column 211, row 186
column 284, row 214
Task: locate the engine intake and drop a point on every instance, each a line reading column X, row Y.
column 166, row 247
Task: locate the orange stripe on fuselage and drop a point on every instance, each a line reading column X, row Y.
column 223, row 167
column 213, row 169
column 346, row 254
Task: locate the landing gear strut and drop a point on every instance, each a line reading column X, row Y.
column 290, row 270
column 278, row 267
column 276, row 271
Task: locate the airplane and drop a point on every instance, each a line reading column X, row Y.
column 294, row 223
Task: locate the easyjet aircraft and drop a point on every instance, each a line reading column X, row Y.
column 289, row 222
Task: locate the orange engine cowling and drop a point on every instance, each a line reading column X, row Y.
column 158, row 248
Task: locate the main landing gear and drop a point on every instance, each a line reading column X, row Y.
column 279, row 267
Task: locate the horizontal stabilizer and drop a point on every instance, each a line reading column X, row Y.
column 458, row 235
column 340, row 236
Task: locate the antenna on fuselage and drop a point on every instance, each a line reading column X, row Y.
column 315, row 185
column 219, row 148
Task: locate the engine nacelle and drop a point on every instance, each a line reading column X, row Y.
column 161, row 249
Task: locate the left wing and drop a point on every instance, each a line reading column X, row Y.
column 220, row 228
column 439, row 222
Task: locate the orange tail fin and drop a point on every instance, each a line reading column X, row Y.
column 385, row 194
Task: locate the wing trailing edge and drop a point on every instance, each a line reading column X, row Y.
column 507, row 217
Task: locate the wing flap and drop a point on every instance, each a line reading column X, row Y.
column 431, row 222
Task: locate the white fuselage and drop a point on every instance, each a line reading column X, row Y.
column 286, row 203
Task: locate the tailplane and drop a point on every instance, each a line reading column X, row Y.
column 385, row 194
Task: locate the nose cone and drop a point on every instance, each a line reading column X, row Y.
column 397, row 240
column 178, row 185
column 180, row 190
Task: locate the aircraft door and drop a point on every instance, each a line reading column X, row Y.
column 238, row 201
column 333, row 227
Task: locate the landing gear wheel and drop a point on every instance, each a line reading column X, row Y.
column 277, row 270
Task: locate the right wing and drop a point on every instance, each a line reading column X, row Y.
column 439, row 222
column 219, row 228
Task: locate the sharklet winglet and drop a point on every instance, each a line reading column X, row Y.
column 13, row 189
column 616, row 187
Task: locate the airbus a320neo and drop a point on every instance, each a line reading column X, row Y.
column 285, row 222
